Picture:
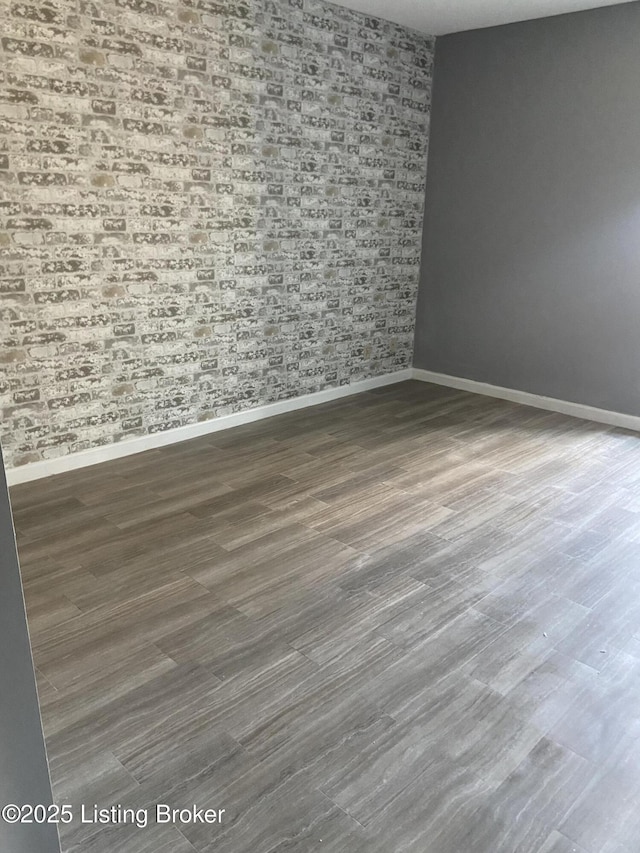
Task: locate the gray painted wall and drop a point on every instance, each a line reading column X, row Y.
column 24, row 775
column 531, row 253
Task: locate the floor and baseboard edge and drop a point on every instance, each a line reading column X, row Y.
column 551, row 404
column 82, row 459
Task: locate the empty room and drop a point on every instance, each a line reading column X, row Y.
column 320, row 425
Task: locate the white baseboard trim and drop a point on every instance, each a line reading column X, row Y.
column 60, row 464
column 551, row 404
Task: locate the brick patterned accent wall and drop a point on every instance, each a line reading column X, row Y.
column 206, row 205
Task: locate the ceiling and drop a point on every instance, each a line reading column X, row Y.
column 438, row 17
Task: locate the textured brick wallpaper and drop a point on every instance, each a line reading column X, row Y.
column 204, row 206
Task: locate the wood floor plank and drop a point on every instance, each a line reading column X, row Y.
column 402, row 621
column 558, row 843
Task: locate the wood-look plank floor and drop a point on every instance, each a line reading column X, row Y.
column 404, row 622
